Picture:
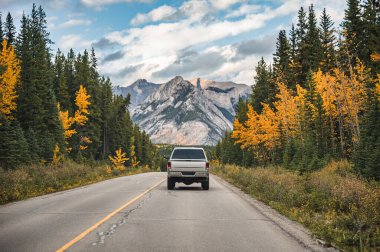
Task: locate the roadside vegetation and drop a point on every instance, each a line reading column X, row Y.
column 309, row 135
column 60, row 124
column 338, row 206
column 38, row 179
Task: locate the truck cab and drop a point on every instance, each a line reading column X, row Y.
column 188, row 165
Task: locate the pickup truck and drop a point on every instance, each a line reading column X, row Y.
column 188, row 165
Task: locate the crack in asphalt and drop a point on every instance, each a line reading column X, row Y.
column 112, row 229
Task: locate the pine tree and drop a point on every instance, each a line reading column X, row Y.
column 13, row 146
column 293, row 43
column 60, row 83
column 10, row 30
column 313, row 45
column 353, row 30
column 37, row 110
column 264, row 89
column 301, row 54
column 69, row 71
column 1, row 32
column 328, row 40
column 371, row 34
column 281, row 59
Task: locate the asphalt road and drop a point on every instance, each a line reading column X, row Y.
column 185, row 219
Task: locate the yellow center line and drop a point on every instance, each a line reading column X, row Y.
column 97, row 224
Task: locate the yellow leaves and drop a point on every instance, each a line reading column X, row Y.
column 82, row 103
column 377, row 87
column 80, row 118
column 259, row 129
column 343, row 96
column 375, row 57
column 287, row 110
column 9, row 76
column 118, row 160
column 56, row 157
column 81, row 100
column 66, row 122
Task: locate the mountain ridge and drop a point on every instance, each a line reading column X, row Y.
column 187, row 112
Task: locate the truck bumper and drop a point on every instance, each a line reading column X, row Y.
column 178, row 176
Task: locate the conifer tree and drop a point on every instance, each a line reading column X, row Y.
column 264, row 89
column 9, row 30
column 313, row 45
column 328, row 60
column 37, row 110
column 353, row 30
column 60, row 83
column 281, row 59
column 371, row 34
column 13, row 146
column 301, row 54
column 1, row 32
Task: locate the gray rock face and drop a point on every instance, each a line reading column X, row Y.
column 139, row 91
column 185, row 112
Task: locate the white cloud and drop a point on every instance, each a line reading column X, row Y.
column 150, row 51
column 244, row 10
column 155, row 47
column 75, row 22
column 155, row 15
column 69, row 41
column 224, row 4
column 100, row 3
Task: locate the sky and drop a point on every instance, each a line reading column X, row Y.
column 158, row 39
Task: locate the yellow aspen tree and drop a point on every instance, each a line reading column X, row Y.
column 260, row 133
column 66, row 122
column 356, row 96
column 326, row 88
column 118, row 160
column 9, row 77
column 247, row 134
column 56, row 156
column 82, row 102
column 287, row 111
column 80, row 117
column 269, row 129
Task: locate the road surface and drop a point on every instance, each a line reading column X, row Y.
column 186, row 219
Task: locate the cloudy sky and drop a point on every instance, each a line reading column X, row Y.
column 159, row 39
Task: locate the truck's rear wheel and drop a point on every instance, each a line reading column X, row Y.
column 171, row 184
column 206, row 185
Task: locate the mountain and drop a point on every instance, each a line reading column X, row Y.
column 196, row 112
column 139, row 91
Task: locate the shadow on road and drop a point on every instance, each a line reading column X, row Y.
column 188, row 188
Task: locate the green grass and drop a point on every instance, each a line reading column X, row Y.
column 38, row 179
column 334, row 203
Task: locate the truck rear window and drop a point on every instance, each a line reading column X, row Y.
column 188, row 154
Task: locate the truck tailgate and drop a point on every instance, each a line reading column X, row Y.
column 188, row 165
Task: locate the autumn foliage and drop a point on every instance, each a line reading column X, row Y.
column 118, row 159
column 9, row 77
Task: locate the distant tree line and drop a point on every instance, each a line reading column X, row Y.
column 61, row 108
column 320, row 100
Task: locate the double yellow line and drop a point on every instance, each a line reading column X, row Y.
column 97, row 224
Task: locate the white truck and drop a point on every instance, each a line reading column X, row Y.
column 188, row 165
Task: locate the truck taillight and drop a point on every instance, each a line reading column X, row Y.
column 169, row 165
column 207, row 165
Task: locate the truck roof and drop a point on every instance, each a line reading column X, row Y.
column 199, row 148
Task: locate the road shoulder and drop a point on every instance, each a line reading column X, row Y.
column 301, row 234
